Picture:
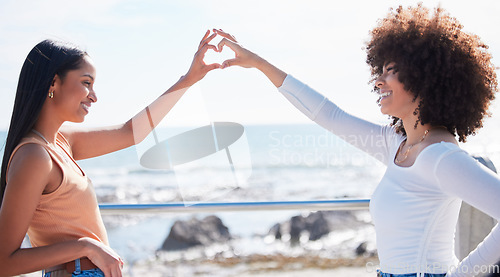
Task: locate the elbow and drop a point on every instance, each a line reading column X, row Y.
column 8, row 263
column 5, row 267
column 133, row 138
column 137, row 133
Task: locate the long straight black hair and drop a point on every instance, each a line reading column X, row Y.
column 44, row 61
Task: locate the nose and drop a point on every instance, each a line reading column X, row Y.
column 92, row 96
column 380, row 81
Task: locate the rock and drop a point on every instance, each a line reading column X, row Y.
column 297, row 225
column 314, row 224
column 343, row 220
column 194, row 232
column 275, row 231
column 317, row 225
column 361, row 249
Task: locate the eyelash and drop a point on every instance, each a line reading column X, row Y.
column 87, row 83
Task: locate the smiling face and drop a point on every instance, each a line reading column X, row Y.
column 394, row 99
column 74, row 93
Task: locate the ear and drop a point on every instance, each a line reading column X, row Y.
column 56, row 82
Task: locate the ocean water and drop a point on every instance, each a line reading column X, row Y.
column 281, row 162
column 287, row 162
column 267, row 163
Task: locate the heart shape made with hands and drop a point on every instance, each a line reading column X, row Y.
column 212, row 56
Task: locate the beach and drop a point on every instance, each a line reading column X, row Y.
column 259, row 266
column 288, row 162
column 252, row 266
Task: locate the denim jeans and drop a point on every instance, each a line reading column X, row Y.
column 96, row 272
column 382, row 274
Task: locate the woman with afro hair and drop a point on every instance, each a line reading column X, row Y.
column 436, row 82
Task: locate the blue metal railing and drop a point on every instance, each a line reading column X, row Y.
column 203, row 207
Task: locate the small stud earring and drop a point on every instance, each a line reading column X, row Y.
column 51, row 94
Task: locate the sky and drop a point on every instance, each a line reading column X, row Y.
column 141, row 48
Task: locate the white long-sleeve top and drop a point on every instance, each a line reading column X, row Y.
column 415, row 209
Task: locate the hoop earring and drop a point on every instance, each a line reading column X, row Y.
column 51, row 94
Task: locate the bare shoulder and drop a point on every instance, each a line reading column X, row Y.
column 69, row 132
column 30, row 161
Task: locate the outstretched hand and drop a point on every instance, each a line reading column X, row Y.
column 198, row 68
column 243, row 57
column 246, row 58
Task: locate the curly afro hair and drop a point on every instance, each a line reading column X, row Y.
column 450, row 71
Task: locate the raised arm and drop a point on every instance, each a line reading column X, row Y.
column 371, row 138
column 30, row 174
column 99, row 141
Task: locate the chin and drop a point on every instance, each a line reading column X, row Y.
column 77, row 120
column 386, row 111
column 383, row 111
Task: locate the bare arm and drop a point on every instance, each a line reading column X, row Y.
column 29, row 173
column 96, row 142
column 88, row 143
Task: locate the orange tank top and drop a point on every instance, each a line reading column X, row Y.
column 71, row 211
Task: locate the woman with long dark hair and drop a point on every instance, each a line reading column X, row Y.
column 436, row 82
column 43, row 190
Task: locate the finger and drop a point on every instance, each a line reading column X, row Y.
column 229, row 43
column 204, row 37
column 211, row 67
column 228, row 63
column 207, row 40
column 204, row 50
column 117, row 272
column 225, row 35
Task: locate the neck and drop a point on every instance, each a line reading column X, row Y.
column 414, row 135
column 48, row 126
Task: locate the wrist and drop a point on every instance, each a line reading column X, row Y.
column 274, row 74
column 186, row 81
column 85, row 247
column 260, row 63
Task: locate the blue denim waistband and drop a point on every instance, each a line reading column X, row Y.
column 382, row 274
column 95, row 272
